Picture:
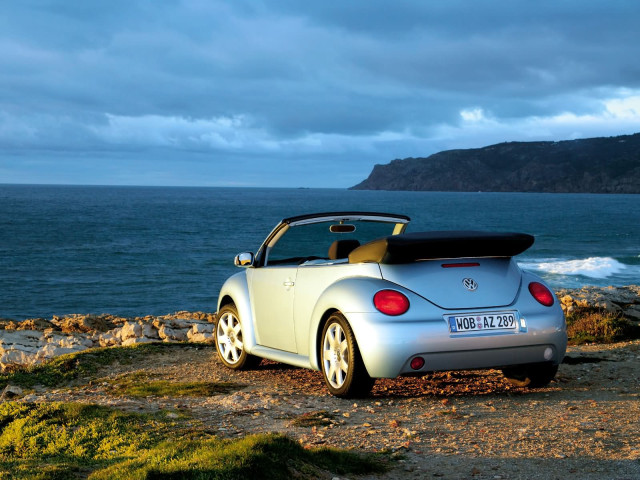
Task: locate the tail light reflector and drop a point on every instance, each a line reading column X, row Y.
column 391, row 302
column 417, row 363
column 542, row 294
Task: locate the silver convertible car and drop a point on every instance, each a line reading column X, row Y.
column 353, row 295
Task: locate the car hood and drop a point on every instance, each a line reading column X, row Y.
column 450, row 284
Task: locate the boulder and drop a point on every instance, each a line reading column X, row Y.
column 201, row 332
column 86, row 323
column 131, row 330
column 21, row 337
column 69, row 341
column 8, row 324
column 149, row 332
column 34, row 324
column 16, row 357
column 138, row 329
column 199, row 316
column 53, row 350
column 108, row 339
column 136, row 340
column 176, row 323
column 624, row 301
column 168, row 334
column 10, row 392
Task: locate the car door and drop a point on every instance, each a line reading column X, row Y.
column 272, row 293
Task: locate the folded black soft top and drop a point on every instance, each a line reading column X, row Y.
column 412, row 247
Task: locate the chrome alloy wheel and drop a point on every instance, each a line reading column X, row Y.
column 335, row 355
column 229, row 338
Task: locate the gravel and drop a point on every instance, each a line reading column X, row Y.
column 466, row 425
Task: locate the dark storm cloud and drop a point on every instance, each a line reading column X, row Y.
column 191, row 86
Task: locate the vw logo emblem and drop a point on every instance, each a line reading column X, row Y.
column 470, row 284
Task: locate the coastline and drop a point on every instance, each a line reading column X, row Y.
column 33, row 341
column 623, row 301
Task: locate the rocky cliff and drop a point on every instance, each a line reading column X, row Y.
column 594, row 165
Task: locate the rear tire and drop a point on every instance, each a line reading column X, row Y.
column 342, row 366
column 230, row 341
column 532, row 375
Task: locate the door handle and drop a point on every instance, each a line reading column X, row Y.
column 288, row 283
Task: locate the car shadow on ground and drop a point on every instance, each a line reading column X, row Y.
column 270, row 365
column 568, row 360
column 467, row 383
column 448, row 384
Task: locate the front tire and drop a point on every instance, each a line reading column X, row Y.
column 342, row 366
column 229, row 340
column 533, row 375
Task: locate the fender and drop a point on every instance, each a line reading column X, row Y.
column 349, row 295
column 542, row 320
column 237, row 288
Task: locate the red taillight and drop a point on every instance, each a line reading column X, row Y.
column 391, row 302
column 541, row 293
column 417, row 363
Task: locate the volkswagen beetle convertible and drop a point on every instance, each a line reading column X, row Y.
column 353, row 295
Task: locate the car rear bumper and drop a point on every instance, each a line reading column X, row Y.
column 388, row 344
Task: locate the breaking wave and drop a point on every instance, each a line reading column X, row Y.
column 592, row 267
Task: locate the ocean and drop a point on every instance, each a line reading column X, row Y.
column 135, row 251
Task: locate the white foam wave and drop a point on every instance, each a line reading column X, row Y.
column 593, row 267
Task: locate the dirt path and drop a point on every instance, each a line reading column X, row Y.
column 585, row 425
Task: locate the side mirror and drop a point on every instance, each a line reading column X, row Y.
column 244, row 259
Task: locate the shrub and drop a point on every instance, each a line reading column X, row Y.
column 591, row 325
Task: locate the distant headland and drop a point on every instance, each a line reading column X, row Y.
column 593, row 165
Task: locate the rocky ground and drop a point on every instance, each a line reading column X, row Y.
column 467, row 425
column 450, row 425
column 623, row 301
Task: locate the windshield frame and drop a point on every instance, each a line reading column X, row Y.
column 400, row 224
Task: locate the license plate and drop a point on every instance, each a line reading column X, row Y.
column 482, row 322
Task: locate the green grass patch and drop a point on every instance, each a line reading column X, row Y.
column 64, row 441
column 66, row 369
column 141, row 384
column 68, row 438
column 265, row 456
column 590, row 325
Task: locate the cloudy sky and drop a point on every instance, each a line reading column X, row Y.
column 294, row 93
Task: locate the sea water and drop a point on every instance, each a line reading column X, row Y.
column 135, row 251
